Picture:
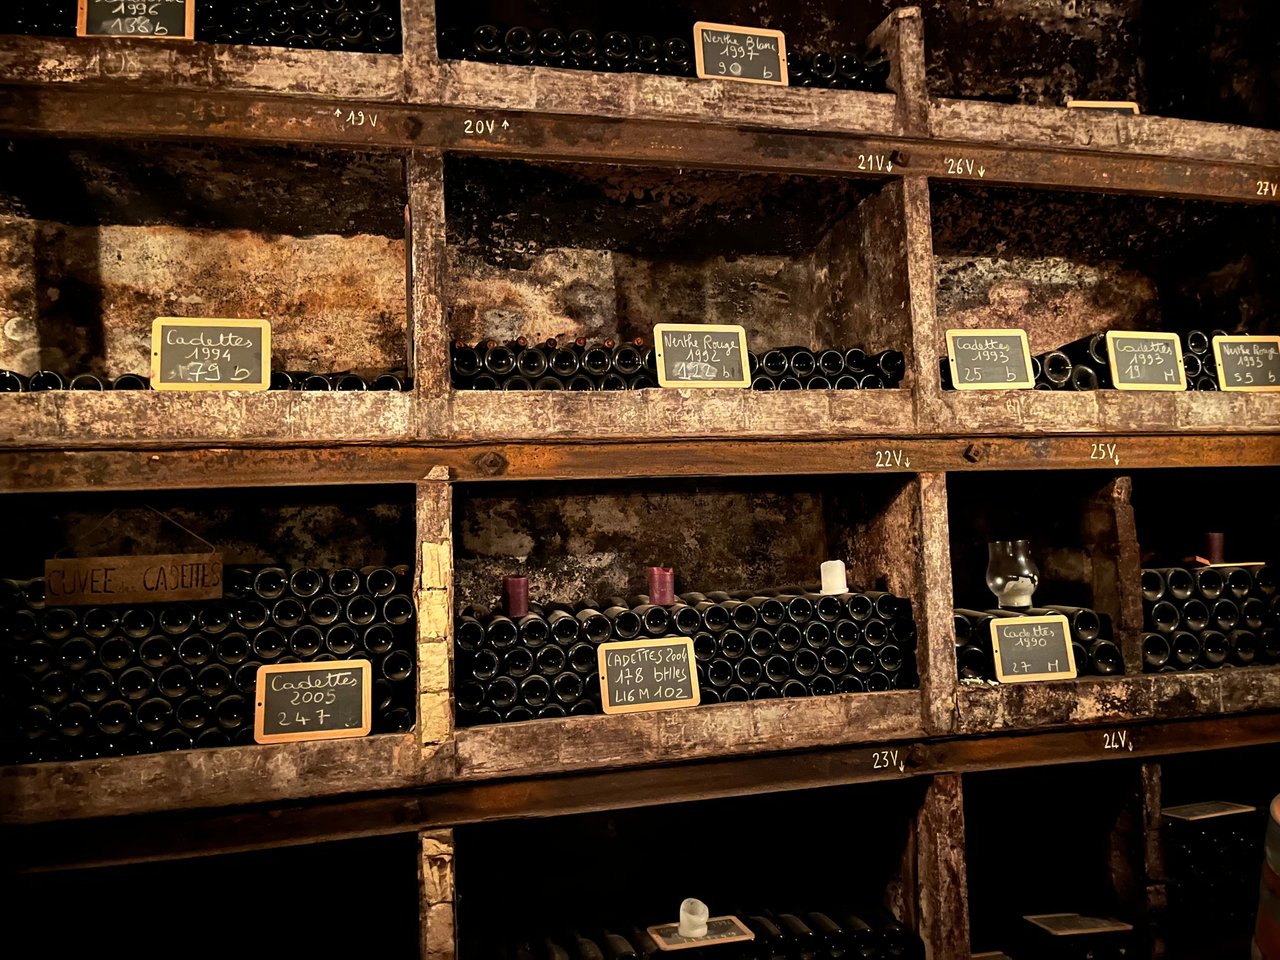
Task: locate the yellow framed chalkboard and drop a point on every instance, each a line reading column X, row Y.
column 207, row 353
column 137, row 19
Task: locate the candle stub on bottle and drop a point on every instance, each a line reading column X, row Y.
column 662, row 586
column 834, row 579
column 515, row 595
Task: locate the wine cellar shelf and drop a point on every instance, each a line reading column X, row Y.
column 386, row 210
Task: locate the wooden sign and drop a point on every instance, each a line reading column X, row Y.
column 210, row 354
column 1072, row 924
column 313, row 701
column 647, row 675
column 138, row 19
column 1032, row 648
column 749, row 54
column 719, row 930
column 701, row 355
column 989, row 360
column 159, row 578
column 1206, row 810
column 1145, row 361
column 1119, row 106
column 1248, row 363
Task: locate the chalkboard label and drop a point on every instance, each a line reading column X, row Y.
column 719, row 930
column 989, row 360
column 1206, row 810
column 1073, row 924
column 647, row 675
column 158, row 578
column 1145, row 361
column 701, row 355
column 313, row 701
column 137, row 19
column 749, row 54
column 1032, row 648
column 1248, row 363
column 210, row 354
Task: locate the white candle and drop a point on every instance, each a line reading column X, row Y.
column 834, row 581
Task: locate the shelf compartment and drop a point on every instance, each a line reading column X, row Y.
column 1062, row 266
column 595, row 251
column 596, row 538
column 1096, row 868
column 1118, row 52
column 875, row 826
column 553, row 90
column 104, row 238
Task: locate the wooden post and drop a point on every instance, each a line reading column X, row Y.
column 1110, row 540
column 1153, row 857
column 901, row 36
column 435, row 607
column 418, row 26
column 938, row 679
column 435, row 888
column 426, row 254
column 943, row 889
column 926, row 337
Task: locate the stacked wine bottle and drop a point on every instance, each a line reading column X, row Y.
column 609, row 365
column 110, row 681
column 372, row 26
column 870, row 933
column 1093, row 648
column 1083, row 364
column 1210, row 617
column 749, row 645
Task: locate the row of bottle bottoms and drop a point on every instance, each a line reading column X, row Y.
column 45, row 380
column 1209, row 617
column 371, row 26
column 1094, row 648
column 869, row 933
column 1083, row 364
column 747, row 645
column 617, row 51
column 105, row 681
column 631, row 365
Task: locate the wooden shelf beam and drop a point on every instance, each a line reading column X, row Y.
column 168, row 835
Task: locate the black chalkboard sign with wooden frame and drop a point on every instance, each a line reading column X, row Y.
column 1032, row 648
column 719, row 930
column 989, row 360
column 747, row 54
column 1145, row 361
column 701, row 355
column 313, row 701
column 137, row 19
column 647, row 675
column 210, row 354
column 1248, row 363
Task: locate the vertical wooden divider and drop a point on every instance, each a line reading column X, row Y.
column 426, row 254
column 938, row 679
column 940, row 871
column 921, row 293
column 435, row 607
column 420, row 57
column 435, row 891
column 1111, row 543
column 1156, row 899
column 901, row 36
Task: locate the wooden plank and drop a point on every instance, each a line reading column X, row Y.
column 87, row 62
column 53, row 111
column 1102, row 131
column 434, row 578
column 650, row 414
column 72, row 417
column 984, row 709
column 426, row 269
column 209, row 778
column 901, row 36
column 48, row 471
column 944, row 889
column 581, row 743
column 77, row 843
column 938, row 679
